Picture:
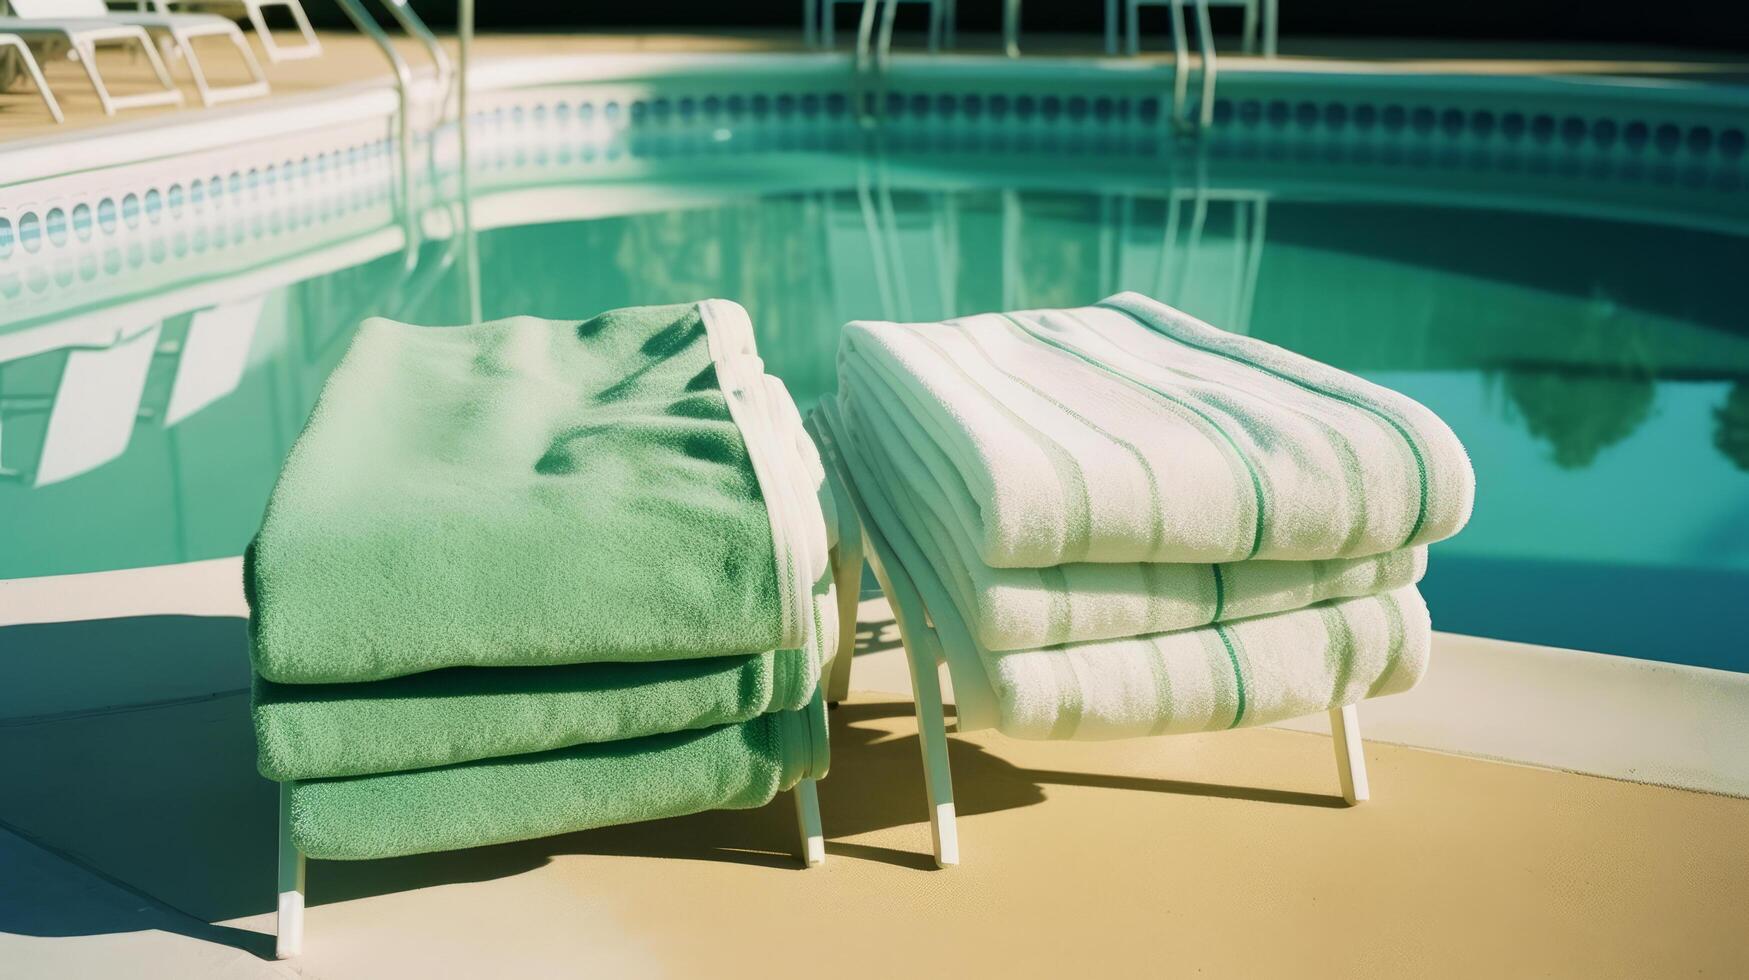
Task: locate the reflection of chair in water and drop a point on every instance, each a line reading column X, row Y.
column 908, row 255
column 212, row 357
column 1214, row 279
column 87, row 416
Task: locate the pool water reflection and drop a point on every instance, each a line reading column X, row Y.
column 1597, row 371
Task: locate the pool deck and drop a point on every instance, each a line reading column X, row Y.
column 349, row 58
column 1228, row 854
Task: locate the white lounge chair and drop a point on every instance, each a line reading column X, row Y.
column 21, row 52
column 82, row 24
column 311, row 47
column 81, row 36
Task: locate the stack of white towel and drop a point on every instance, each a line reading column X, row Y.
column 1124, row 521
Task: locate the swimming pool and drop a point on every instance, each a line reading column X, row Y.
column 1579, row 328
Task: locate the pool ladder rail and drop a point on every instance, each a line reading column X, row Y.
column 874, row 49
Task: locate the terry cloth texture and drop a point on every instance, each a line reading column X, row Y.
column 1241, row 672
column 535, row 492
column 307, row 731
column 1024, row 608
column 577, row 788
column 1131, row 432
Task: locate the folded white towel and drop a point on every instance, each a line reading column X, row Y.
column 1245, row 672
column 1131, row 432
column 1023, row 608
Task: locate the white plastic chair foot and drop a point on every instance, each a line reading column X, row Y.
column 808, row 818
column 1350, row 753
column 947, row 835
column 291, row 885
column 291, row 925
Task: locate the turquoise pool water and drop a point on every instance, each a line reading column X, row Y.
column 1598, row 370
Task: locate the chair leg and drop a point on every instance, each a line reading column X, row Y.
column 1110, row 27
column 1132, row 27
column 810, row 29
column 312, row 42
column 258, row 20
column 1250, row 32
column 291, row 884
column 1350, row 755
column 86, row 55
column 808, row 819
column 849, row 579
column 932, row 737
column 1011, row 28
column 255, row 88
column 189, row 58
column 42, row 86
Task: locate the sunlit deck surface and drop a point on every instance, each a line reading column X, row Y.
column 1224, row 855
column 349, row 58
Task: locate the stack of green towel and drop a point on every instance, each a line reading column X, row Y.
column 528, row 577
column 1124, row 521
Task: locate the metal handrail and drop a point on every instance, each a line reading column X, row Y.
column 410, row 22
column 368, row 26
column 874, row 52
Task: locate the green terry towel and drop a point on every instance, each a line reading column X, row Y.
column 1131, row 432
column 528, row 796
column 1245, row 672
column 531, row 492
column 1025, row 608
column 311, row 731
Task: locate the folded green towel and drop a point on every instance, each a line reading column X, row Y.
column 526, row 492
column 1246, row 672
column 527, row 796
column 1130, row 432
column 311, row 731
column 1025, row 608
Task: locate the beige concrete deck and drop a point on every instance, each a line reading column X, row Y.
column 1221, row 855
column 350, row 58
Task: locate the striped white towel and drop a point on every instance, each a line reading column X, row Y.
column 1243, row 672
column 1023, row 608
column 1131, row 432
